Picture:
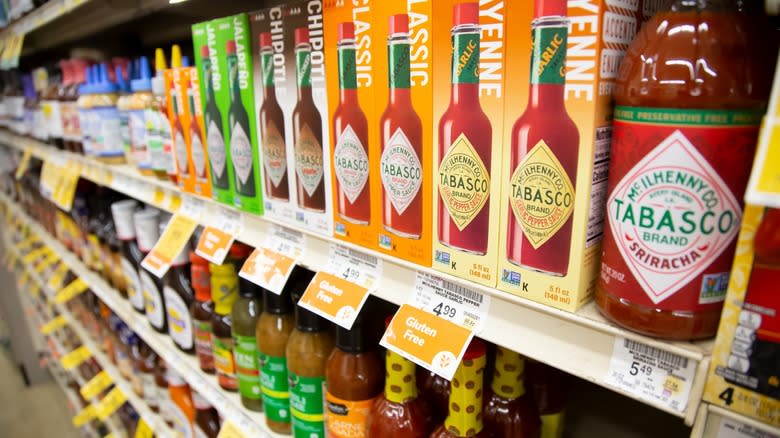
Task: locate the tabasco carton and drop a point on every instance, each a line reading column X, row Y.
column 402, row 55
column 468, row 116
column 556, row 137
column 349, row 38
column 291, row 115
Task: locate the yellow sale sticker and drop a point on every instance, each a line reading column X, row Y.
column 55, row 324
column 35, row 254
column 85, row 416
column 50, row 259
column 75, row 357
column 96, row 385
column 169, row 245
column 73, row 289
column 110, row 403
column 142, row 430
column 24, row 164
column 56, row 279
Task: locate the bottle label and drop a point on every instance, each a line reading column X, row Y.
column 398, row 61
column 166, row 133
column 347, row 69
column 198, row 156
column 401, row 171
column 306, row 406
column 203, row 344
column 181, row 423
column 223, row 356
column 267, row 59
column 216, row 146
column 465, row 58
column 509, row 374
column 542, row 195
column 154, row 140
column 308, row 159
column 303, row 64
column 138, row 137
column 149, row 389
column 199, row 433
column 347, row 419
column 124, row 131
column 241, row 153
column 548, row 60
column 464, row 182
column 275, row 388
column 465, row 403
column 153, row 301
column 133, row 282
column 274, row 154
column 552, row 425
column 247, row 366
column 71, row 126
column 351, row 162
column 181, row 154
column 672, row 214
column 399, row 385
column 107, row 139
column 179, row 319
column 224, row 290
column 123, row 362
column 53, row 115
column 165, row 404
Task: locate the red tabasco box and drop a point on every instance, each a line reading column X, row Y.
column 403, row 112
column 469, row 60
column 557, row 134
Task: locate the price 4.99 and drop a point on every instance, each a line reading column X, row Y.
column 442, row 309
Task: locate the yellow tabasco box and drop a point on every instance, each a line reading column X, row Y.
column 468, row 114
column 402, row 50
column 196, row 140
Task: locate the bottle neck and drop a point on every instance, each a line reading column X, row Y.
column 465, row 65
column 267, row 69
column 235, row 88
column 347, row 73
column 467, row 392
column 548, row 63
column 509, row 376
column 400, row 384
column 209, row 79
column 398, row 73
column 303, row 71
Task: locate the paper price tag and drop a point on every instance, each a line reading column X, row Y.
column 50, row 259
column 76, row 287
column 35, row 255
column 84, row 416
column 55, row 324
column 461, row 305
column 215, row 241
column 230, row 430
column 267, row 269
column 75, row 357
column 354, row 266
column 173, row 239
column 24, row 164
column 110, row 403
column 96, row 385
column 23, row 279
column 65, row 190
column 27, row 243
column 35, row 290
column 192, row 207
column 56, row 279
column 142, row 430
column 434, row 343
column 334, row 298
column 285, row 241
column 651, row 374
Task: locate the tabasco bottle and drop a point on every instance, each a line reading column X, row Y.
column 215, row 138
column 272, row 128
column 465, row 139
column 401, row 140
column 545, row 145
column 179, row 142
column 307, row 131
column 240, row 143
column 510, row 411
column 350, row 127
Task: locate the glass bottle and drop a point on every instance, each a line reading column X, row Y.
column 202, row 311
column 179, row 297
column 510, row 410
column 272, row 128
column 163, row 396
column 246, row 311
column 215, row 138
column 122, row 212
column 146, row 363
column 550, row 388
column 182, row 408
column 240, row 142
column 147, row 228
column 206, row 417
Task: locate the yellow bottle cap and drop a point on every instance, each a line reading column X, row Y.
column 159, row 61
column 175, row 56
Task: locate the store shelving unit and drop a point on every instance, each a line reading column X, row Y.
column 41, row 17
column 715, row 422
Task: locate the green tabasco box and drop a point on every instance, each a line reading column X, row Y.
column 209, row 40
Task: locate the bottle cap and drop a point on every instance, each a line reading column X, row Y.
column 398, row 24
column 346, row 31
column 465, row 13
column 143, row 81
column 230, row 47
column 302, row 35
column 122, row 212
column 204, row 51
column 265, row 39
column 103, row 84
column 159, row 61
column 475, row 349
column 146, row 228
column 547, row 8
column 185, row 61
column 175, row 56
column 277, row 304
column 121, row 82
column 240, row 251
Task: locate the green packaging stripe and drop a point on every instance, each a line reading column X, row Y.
column 267, row 60
column 307, row 407
column 548, row 60
column 273, row 379
column 465, row 58
column 347, row 69
column 398, row 63
column 303, row 67
column 247, row 366
column 688, row 117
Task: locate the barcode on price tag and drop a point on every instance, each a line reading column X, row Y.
column 192, row 207
column 734, row 429
column 285, row 241
column 461, row 305
column 354, row 266
column 651, row 374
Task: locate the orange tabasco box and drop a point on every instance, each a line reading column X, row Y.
column 562, row 62
column 186, row 119
column 469, row 60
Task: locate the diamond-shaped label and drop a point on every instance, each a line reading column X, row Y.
column 464, row 182
column 274, row 154
column 401, row 171
column 216, row 147
column 671, row 216
column 241, row 153
column 351, row 163
column 308, row 159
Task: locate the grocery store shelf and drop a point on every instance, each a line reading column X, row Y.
column 715, row 422
column 41, row 16
column 578, row 343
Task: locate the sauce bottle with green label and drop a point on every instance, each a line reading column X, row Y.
column 246, row 311
column 510, row 411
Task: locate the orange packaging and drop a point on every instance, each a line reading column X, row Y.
column 468, row 114
column 176, row 115
column 187, row 130
column 556, row 136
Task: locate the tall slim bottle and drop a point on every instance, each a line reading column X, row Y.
column 401, row 135
column 465, row 142
column 545, row 145
column 350, row 128
column 307, row 131
column 272, row 128
column 238, row 119
column 196, row 138
column 215, row 138
column 179, row 143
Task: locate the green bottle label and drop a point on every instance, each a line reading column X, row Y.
column 347, row 69
column 276, row 395
column 306, row 405
column 548, row 60
column 247, row 366
column 398, row 61
column 303, row 67
column 465, row 58
column 267, row 59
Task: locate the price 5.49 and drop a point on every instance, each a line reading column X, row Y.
column 636, row 369
column 443, row 309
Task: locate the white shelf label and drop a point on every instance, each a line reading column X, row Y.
column 461, row 305
column 734, row 429
column 285, row 241
column 651, row 374
column 354, row 266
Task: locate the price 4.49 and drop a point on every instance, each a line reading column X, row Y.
column 445, row 310
column 636, row 369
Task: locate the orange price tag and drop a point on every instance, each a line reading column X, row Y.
column 267, row 269
column 169, row 245
column 334, row 298
column 431, row 342
column 215, row 241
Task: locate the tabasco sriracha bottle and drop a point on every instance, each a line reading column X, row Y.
column 465, row 137
column 272, row 128
column 215, row 138
column 545, row 143
column 350, row 157
column 307, row 131
column 240, row 144
column 688, row 106
column 401, row 136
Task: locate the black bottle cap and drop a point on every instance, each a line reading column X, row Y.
column 305, row 320
column 277, row 304
column 247, row 289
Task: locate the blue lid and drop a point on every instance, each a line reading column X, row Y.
column 185, row 61
column 86, row 87
column 143, row 81
column 104, row 84
column 121, row 82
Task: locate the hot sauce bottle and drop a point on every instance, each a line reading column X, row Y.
column 689, row 103
column 307, row 131
column 182, row 408
column 465, row 404
column 196, row 137
column 179, row 142
column 510, row 411
column 163, row 396
column 272, row 128
column 179, row 297
column 240, row 144
column 245, row 313
column 465, row 137
column 550, row 388
column 215, row 138
column 350, row 131
column 401, row 140
column 206, row 417
column 545, row 145
column 122, row 212
column 147, row 228
column 202, row 311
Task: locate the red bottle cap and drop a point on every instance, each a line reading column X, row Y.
column 301, row 35
column 346, row 31
column 204, row 51
column 547, row 8
column 230, row 47
column 265, row 39
column 195, row 259
column 465, row 13
column 240, row 251
column 475, row 349
column 398, row 24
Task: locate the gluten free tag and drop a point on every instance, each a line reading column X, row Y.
column 75, row 287
column 428, row 340
column 271, row 263
column 651, row 374
column 110, row 403
column 215, row 241
column 75, row 357
column 443, row 298
column 169, row 245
